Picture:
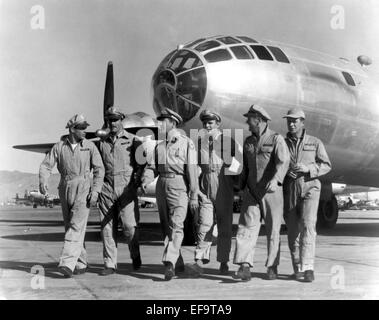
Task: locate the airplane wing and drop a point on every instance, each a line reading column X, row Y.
column 39, row 148
column 45, row 147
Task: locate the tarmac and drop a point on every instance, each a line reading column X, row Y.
column 347, row 263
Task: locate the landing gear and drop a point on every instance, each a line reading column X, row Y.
column 327, row 213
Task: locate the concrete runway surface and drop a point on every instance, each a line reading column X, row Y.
column 347, row 263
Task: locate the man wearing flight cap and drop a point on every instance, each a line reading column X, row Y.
column 265, row 165
column 309, row 161
column 75, row 157
column 216, row 192
column 175, row 161
column 118, row 199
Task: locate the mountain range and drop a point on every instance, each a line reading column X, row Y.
column 12, row 182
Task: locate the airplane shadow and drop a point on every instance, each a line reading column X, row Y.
column 154, row 272
column 149, row 235
column 352, row 230
column 50, row 269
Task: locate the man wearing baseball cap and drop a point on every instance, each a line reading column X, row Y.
column 175, row 161
column 216, row 193
column 309, row 161
column 265, row 165
column 118, row 198
column 75, row 157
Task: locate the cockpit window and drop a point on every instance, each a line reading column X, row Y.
column 176, row 63
column 194, row 42
column 228, row 40
column 207, row 45
column 246, row 39
column 241, row 52
column 166, row 58
column 348, row 77
column 278, row 54
column 192, row 85
column 184, row 60
column 218, row 55
column 262, row 52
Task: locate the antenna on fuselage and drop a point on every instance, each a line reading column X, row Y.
column 364, row 60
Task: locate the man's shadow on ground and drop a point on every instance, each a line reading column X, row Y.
column 154, row 272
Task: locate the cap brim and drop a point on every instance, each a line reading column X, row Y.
column 163, row 117
column 293, row 117
column 209, row 118
column 83, row 125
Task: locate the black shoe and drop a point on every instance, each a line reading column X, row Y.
column 78, row 271
column 297, row 275
column 137, row 263
column 179, row 265
column 66, row 271
column 272, row 273
column 309, row 276
column 169, row 272
column 244, row 273
column 224, row 268
column 107, row 271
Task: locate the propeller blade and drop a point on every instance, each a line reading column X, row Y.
column 109, row 88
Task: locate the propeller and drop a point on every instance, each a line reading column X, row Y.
column 108, row 99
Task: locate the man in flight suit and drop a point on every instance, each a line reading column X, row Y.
column 216, row 193
column 75, row 157
column 265, row 165
column 309, row 161
column 175, row 161
column 118, row 198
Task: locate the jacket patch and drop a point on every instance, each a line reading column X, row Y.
column 309, row 147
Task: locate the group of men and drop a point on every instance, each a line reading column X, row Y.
column 279, row 179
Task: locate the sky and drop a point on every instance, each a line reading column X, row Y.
column 48, row 75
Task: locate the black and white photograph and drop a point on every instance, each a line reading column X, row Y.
column 194, row 151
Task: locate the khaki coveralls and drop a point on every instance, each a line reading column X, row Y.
column 118, row 198
column 175, row 161
column 216, row 183
column 75, row 167
column 265, row 157
column 301, row 198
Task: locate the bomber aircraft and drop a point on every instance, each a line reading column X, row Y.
column 230, row 73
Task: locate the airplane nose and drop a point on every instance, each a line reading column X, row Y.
column 180, row 84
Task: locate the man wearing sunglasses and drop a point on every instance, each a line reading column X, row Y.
column 75, row 158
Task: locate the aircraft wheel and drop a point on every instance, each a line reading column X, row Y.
column 328, row 213
column 34, row 205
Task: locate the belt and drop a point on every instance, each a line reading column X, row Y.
column 72, row 177
column 169, row 175
column 210, row 170
column 118, row 173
